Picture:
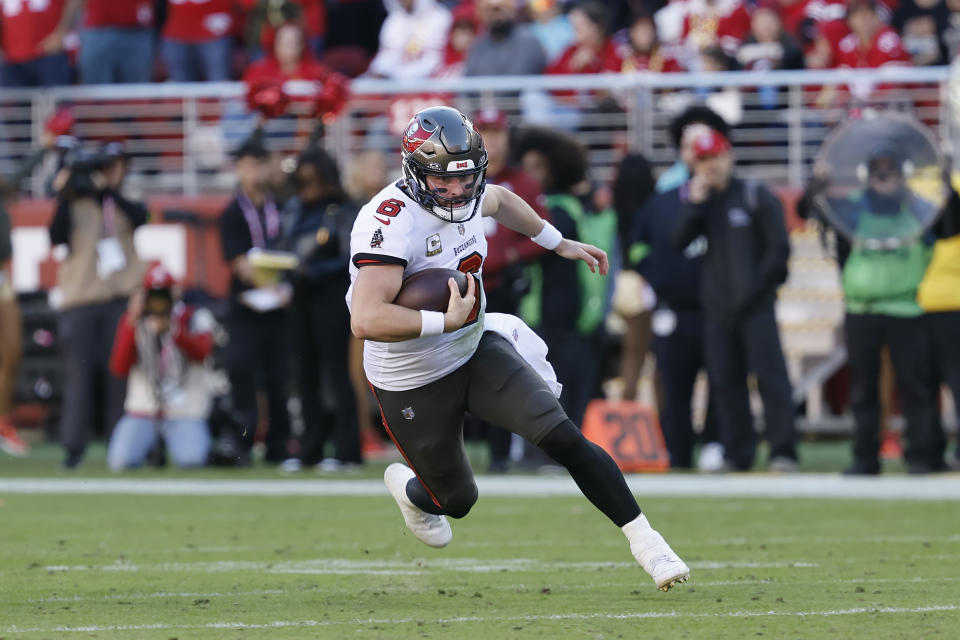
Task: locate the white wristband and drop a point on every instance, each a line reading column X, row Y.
column 431, row 323
column 549, row 237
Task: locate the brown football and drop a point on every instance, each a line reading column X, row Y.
column 427, row 289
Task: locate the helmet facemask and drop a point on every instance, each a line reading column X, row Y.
column 458, row 209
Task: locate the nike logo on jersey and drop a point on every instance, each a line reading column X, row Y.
column 381, row 220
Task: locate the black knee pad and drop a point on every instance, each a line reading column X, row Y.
column 458, row 503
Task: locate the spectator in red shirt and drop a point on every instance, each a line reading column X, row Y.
column 196, row 40
column 592, row 50
column 289, row 60
column 715, row 23
column 116, row 42
column 862, row 42
column 870, row 44
column 32, row 43
column 639, row 48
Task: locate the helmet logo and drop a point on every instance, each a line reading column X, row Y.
column 414, row 136
column 457, row 165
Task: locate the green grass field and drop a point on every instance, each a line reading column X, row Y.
column 162, row 567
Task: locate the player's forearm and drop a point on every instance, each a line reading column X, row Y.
column 514, row 213
column 385, row 322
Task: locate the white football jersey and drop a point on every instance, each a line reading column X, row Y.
column 394, row 229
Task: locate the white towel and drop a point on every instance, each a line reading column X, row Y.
column 527, row 343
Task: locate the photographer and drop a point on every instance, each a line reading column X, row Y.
column 161, row 349
column 100, row 271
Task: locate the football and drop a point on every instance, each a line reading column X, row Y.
column 427, row 290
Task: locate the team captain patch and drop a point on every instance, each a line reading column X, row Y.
column 433, row 245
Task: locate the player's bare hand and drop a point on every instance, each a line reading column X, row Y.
column 594, row 257
column 458, row 309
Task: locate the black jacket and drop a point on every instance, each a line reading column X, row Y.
column 319, row 233
column 674, row 275
column 748, row 248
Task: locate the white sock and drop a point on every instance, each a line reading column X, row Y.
column 636, row 529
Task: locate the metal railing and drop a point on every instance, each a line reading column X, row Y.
column 180, row 134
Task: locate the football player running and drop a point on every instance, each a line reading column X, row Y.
column 428, row 368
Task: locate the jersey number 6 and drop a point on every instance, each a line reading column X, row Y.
column 390, row 208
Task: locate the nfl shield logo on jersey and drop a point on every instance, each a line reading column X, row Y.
column 461, row 228
column 408, row 413
column 433, row 245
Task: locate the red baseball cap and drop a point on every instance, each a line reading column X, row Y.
column 491, row 119
column 61, row 122
column 158, row 277
column 710, row 143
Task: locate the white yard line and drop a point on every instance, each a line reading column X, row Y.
column 162, row 594
column 488, row 619
column 753, row 485
column 340, row 566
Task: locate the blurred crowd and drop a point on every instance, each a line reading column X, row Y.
column 698, row 253
column 56, row 42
